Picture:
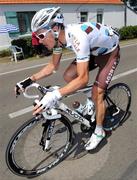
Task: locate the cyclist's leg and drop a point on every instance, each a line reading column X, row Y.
column 107, row 65
column 71, row 72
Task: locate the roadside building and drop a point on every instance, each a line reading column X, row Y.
column 20, row 13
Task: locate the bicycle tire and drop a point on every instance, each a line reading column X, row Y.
column 118, row 101
column 24, row 155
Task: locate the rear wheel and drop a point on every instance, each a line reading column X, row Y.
column 118, row 100
column 25, row 155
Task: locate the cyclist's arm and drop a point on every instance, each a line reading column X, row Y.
column 81, row 47
column 48, row 69
column 79, row 82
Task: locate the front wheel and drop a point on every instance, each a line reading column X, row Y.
column 118, row 100
column 25, row 155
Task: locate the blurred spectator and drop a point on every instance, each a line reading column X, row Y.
column 36, row 45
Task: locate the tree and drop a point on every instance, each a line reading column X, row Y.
column 133, row 2
column 124, row 1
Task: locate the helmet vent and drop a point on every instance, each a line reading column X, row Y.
column 43, row 20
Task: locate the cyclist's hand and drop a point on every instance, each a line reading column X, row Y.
column 20, row 86
column 48, row 101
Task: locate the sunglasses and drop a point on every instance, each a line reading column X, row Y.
column 43, row 35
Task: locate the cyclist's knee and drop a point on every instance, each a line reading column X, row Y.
column 97, row 94
column 69, row 75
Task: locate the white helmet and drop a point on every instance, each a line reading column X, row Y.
column 45, row 18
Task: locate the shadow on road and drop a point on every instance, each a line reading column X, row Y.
column 78, row 151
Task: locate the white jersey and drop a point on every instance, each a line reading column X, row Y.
column 90, row 38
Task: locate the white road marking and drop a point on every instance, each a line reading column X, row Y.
column 124, row 74
column 20, row 112
column 31, row 67
column 39, row 65
column 29, row 109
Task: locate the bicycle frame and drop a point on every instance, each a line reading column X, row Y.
column 74, row 114
column 53, row 130
column 53, row 113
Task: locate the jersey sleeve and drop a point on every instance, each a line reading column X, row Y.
column 80, row 45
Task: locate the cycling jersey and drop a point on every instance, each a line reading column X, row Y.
column 90, row 39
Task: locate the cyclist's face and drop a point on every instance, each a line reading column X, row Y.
column 46, row 38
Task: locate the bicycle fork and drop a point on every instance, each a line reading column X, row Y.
column 46, row 134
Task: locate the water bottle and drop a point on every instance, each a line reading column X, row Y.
column 89, row 110
column 78, row 107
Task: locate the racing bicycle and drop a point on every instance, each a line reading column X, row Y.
column 45, row 140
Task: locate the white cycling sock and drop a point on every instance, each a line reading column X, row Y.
column 99, row 130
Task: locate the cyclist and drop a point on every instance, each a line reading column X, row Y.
column 94, row 45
